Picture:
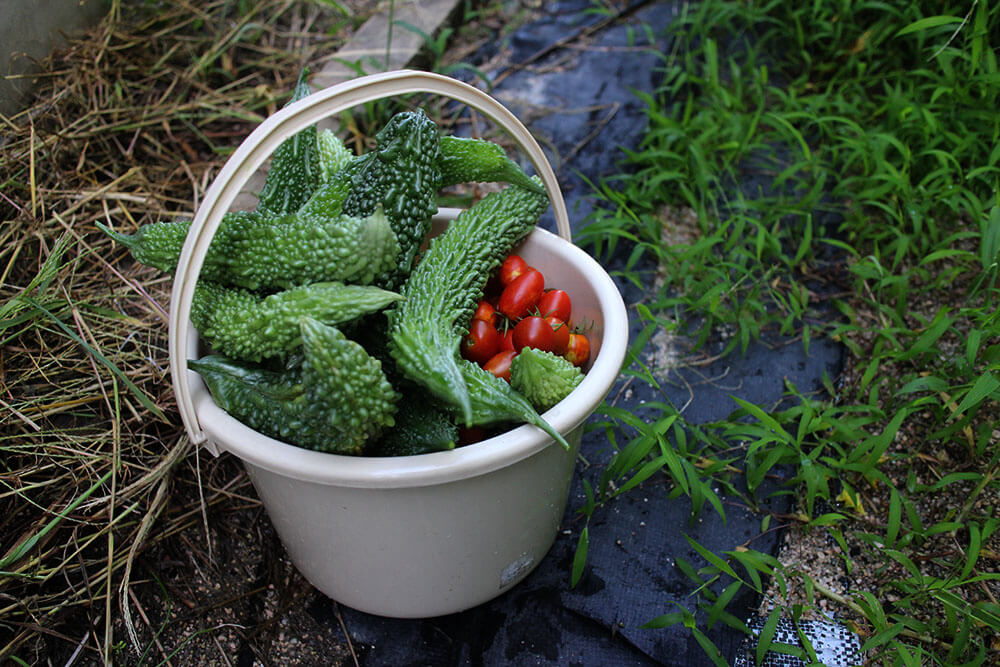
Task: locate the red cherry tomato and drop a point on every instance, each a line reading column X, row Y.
column 481, row 343
column 486, row 312
column 555, row 303
column 511, row 268
column 499, row 364
column 519, row 297
column 507, row 341
column 534, row 331
column 561, row 331
column 578, row 349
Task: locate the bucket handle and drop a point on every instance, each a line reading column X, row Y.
column 261, row 143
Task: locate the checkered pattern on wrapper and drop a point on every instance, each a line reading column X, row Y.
column 835, row 645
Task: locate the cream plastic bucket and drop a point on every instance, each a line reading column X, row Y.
column 413, row 536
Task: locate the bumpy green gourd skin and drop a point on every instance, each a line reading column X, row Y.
column 271, row 402
column 493, row 401
column 295, row 171
column 333, row 154
column 468, row 160
column 303, row 249
column 420, row 428
column 254, row 251
column 338, row 401
column 156, row 244
column 543, row 377
column 258, row 249
column 244, row 325
column 402, row 175
column 347, row 386
column 426, row 327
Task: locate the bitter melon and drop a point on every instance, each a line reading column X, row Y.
column 245, row 325
column 442, row 292
column 468, row 160
column 295, row 171
column 402, row 174
column 338, row 401
column 420, row 428
column 254, row 251
column 333, row 154
column 543, row 378
column 493, row 401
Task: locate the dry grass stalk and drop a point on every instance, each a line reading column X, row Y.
column 129, row 126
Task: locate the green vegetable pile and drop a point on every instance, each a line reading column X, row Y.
column 330, row 315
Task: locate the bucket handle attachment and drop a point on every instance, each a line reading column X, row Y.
column 254, row 151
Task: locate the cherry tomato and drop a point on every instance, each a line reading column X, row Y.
column 520, row 296
column 499, row 364
column 486, row 312
column 555, row 303
column 578, row 349
column 511, row 268
column 481, row 343
column 561, row 330
column 507, row 340
column 534, row 331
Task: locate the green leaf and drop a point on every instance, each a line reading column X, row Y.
column 875, row 613
column 882, row 638
column 720, row 564
column 649, row 469
column 925, row 383
column 580, row 557
column 927, row 23
column 972, row 551
column 766, row 636
column 989, row 245
column 764, row 418
column 666, row 620
column 30, row 543
column 719, row 606
column 710, row 649
column 983, row 387
column 895, row 517
column 939, row 325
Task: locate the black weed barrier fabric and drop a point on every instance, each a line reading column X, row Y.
column 579, row 97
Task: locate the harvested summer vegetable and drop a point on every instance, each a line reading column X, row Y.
column 333, row 154
column 295, row 171
column 403, row 176
column 338, row 401
column 245, row 325
column 331, row 238
column 494, row 401
column 255, row 251
column 468, row 160
column 443, row 291
column 543, row 378
column 420, row 428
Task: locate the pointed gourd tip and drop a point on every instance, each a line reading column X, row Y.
column 127, row 240
column 310, row 328
column 556, row 435
column 526, row 182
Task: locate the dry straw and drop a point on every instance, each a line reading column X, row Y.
column 128, row 126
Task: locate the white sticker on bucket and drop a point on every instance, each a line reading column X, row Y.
column 513, row 572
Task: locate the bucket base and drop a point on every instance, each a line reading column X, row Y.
column 424, row 551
